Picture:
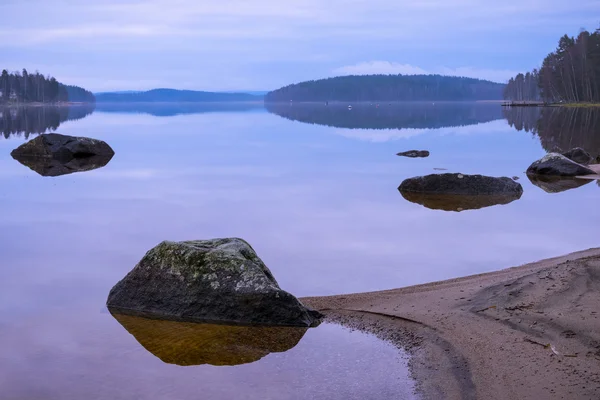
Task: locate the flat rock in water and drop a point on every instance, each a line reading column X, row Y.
column 556, row 184
column 414, row 154
column 62, row 147
column 461, row 184
column 579, row 155
column 217, row 280
column 191, row 343
column 555, row 164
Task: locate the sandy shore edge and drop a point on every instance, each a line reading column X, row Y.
column 526, row 332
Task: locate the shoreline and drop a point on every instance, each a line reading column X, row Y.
column 526, row 332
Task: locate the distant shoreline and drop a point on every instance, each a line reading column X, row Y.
column 542, row 104
column 39, row 104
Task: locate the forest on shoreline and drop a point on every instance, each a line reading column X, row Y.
column 24, row 88
column 389, row 88
column 569, row 74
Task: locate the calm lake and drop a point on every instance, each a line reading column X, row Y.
column 313, row 188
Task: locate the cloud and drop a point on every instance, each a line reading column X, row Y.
column 393, row 68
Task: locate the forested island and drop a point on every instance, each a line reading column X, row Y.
column 389, row 88
column 570, row 74
column 174, row 96
column 23, row 87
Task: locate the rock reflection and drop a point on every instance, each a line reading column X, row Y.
column 53, row 167
column 190, row 343
column 454, row 202
column 555, row 184
column 419, row 115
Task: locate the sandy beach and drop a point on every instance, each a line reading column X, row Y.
column 527, row 332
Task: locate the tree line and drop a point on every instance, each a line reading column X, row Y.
column 570, row 74
column 24, row 87
column 361, row 88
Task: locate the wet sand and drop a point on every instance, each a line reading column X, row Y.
column 528, row 332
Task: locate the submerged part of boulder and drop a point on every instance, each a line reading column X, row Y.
column 459, row 202
column 217, row 280
column 555, row 164
column 190, row 343
column 556, row 184
column 414, row 153
column 50, row 167
column 62, row 147
column 579, row 155
column 461, row 184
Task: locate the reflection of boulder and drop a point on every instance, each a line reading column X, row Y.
column 455, row 202
column 554, row 164
column 217, row 280
column 51, row 167
column 556, row 184
column 62, row 147
column 461, row 184
column 188, row 343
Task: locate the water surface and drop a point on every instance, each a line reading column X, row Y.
column 313, row 190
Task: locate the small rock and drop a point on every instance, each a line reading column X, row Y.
column 414, row 154
column 557, row 165
column 579, row 155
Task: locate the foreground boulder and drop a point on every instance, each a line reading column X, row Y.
column 51, row 167
column 414, row 154
column 62, row 148
column 555, row 164
column 460, row 184
column 579, row 155
column 189, row 343
column 217, row 280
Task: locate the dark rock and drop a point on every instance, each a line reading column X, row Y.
column 62, row 148
column 189, row 343
column 217, row 280
column 556, row 184
column 50, row 167
column 579, row 155
column 515, row 178
column 459, row 202
column 414, row 153
column 557, row 165
column 460, row 184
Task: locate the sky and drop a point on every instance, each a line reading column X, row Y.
column 226, row 45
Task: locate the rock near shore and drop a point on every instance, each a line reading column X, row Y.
column 555, row 164
column 217, row 280
column 62, row 147
column 461, row 184
column 579, row 155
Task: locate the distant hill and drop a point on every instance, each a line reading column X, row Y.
column 172, row 96
column 357, row 88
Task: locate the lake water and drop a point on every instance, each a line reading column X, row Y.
column 312, row 188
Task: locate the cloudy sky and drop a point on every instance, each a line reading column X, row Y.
column 264, row 44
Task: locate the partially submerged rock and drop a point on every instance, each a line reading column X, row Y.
column 62, row 147
column 50, row 167
column 217, row 280
column 556, row 184
column 459, row 202
column 189, row 343
column 414, row 153
column 555, row 164
column 579, row 155
column 461, row 184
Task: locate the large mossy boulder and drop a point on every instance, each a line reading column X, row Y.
column 554, row 164
column 190, row 343
column 217, row 280
column 461, row 184
column 62, row 148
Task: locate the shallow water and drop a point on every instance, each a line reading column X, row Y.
column 313, row 190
